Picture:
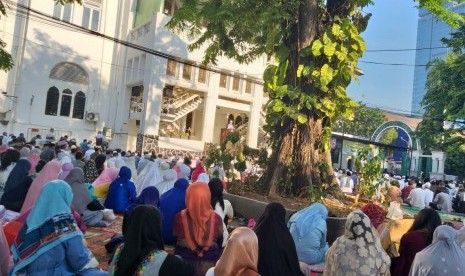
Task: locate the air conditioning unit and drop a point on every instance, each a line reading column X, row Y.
column 92, row 116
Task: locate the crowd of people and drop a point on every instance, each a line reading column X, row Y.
column 50, row 194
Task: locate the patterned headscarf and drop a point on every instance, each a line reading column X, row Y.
column 358, row 251
column 90, row 171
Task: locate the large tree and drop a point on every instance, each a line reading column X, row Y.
column 6, row 60
column 366, row 120
column 314, row 46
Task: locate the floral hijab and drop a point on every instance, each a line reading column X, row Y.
column 90, row 171
column 358, row 251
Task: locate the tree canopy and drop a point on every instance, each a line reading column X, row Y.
column 366, row 120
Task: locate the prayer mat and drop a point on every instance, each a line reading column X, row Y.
column 451, row 217
column 97, row 237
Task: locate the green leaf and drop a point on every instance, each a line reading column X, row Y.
column 316, row 48
column 329, row 49
column 282, row 53
column 326, row 75
column 302, row 118
column 336, row 30
column 299, row 70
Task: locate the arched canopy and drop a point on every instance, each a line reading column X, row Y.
column 69, row 72
column 415, row 143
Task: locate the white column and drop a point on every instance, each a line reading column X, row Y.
column 254, row 118
column 414, row 162
column 441, row 157
column 209, row 111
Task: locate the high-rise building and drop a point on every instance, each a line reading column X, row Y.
column 429, row 34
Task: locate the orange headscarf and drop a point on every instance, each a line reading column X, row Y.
column 240, row 256
column 198, row 219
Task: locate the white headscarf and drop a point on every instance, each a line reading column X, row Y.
column 149, row 176
column 169, row 177
column 203, row 177
column 111, row 163
column 131, row 164
column 443, row 257
column 120, row 163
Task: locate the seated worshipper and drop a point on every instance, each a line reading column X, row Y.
column 6, row 263
column 48, row 173
column 277, row 254
column 100, row 162
column 198, row 230
column 442, row 201
column 419, row 236
column 144, row 161
column 82, row 200
column 148, row 177
column 103, row 181
column 90, row 175
column 171, row 203
column 149, row 196
column 221, row 206
column 429, row 195
column 407, row 189
column 79, row 162
column 142, row 252
column 358, row 251
column 240, row 256
column 24, row 152
column 376, row 214
column 131, row 164
column 34, row 159
column 17, row 186
column 308, row 229
column 203, row 177
column 395, row 193
column 347, row 183
column 65, row 169
column 458, row 202
column 122, row 192
column 197, row 171
column 416, row 197
column 169, row 177
column 185, row 169
column 7, row 163
column 50, row 243
column 443, row 257
column 119, row 163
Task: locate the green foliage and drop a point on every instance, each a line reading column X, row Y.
column 389, row 137
column 455, row 161
column 437, row 7
column 366, row 120
column 368, row 172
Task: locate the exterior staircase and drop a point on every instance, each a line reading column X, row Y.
column 176, row 108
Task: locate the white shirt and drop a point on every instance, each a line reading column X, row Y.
column 88, row 153
column 347, row 184
column 227, row 212
column 429, row 195
column 417, row 197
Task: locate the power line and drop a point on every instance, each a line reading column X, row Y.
column 407, row 49
column 394, row 64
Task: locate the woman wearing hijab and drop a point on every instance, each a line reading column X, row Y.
column 171, row 203
column 6, row 263
column 358, row 251
column 308, row 229
column 65, row 169
column 7, row 164
column 33, row 158
column 148, row 177
column 100, row 162
column 50, row 243
column 277, row 253
column 221, row 206
column 142, row 252
column 198, row 230
column 90, row 175
column 197, row 171
column 48, row 173
column 122, row 192
column 240, row 256
column 169, row 177
column 81, row 199
column 149, row 196
column 417, row 238
column 443, row 257
column 102, row 183
column 131, row 164
column 17, row 186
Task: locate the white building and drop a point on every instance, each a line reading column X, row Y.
column 79, row 82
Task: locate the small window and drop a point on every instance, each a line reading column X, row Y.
column 62, row 12
column 66, row 100
column 91, row 19
column 202, row 78
column 79, row 105
column 248, row 87
column 95, row 20
column 235, row 85
column 186, row 72
column 170, row 7
column 171, row 68
column 51, row 106
column 223, row 80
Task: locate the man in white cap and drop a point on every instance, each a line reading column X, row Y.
column 429, row 195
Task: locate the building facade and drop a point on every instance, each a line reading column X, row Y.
column 114, row 66
column 429, row 47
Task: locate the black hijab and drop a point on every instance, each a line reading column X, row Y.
column 17, row 184
column 216, row 190
column 99, row 162
column 277, row 254
column 142, row 235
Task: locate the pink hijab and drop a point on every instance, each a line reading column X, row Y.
column 6, row 262
column 198, row 170
column 48, row 173
column 33, row 158
column 106, row 177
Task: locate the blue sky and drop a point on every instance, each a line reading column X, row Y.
column 392, row 26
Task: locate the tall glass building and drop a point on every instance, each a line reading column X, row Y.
column 429, row 33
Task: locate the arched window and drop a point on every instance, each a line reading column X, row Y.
column 69, row 72
column 51, row 106
column 66, row 100
column 79, row 105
